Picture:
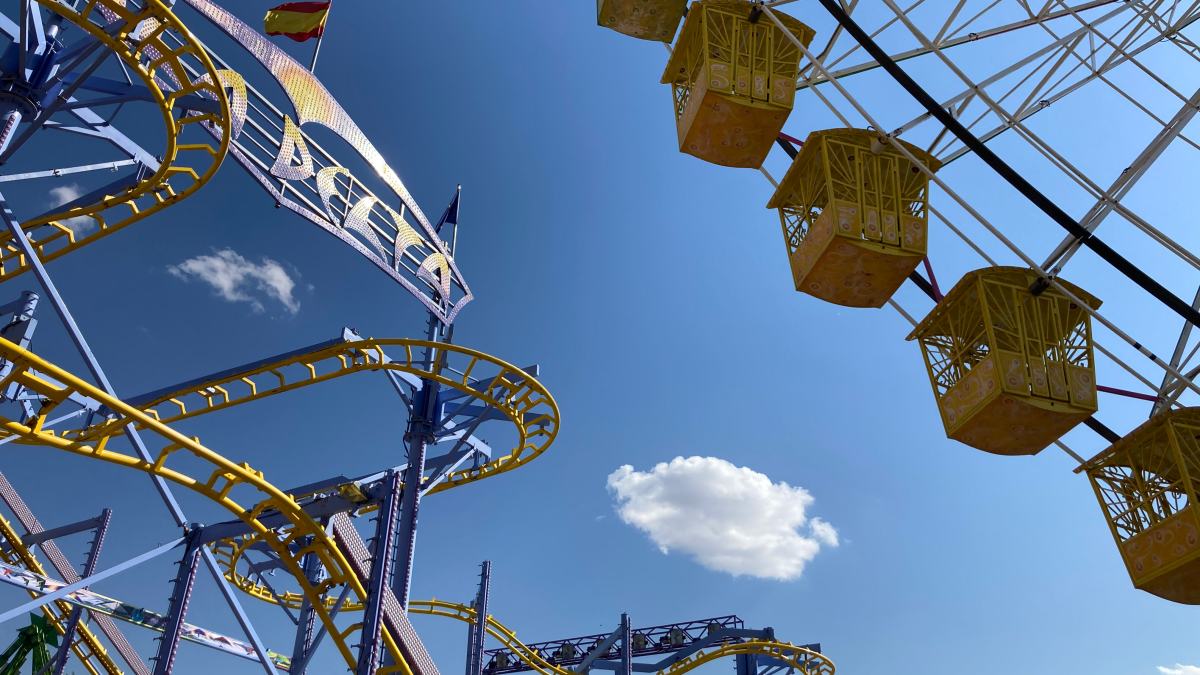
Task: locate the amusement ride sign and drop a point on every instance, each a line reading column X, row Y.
column 303, row 177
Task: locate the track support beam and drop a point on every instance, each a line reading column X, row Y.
column 181, row 595
column 478, row 629
column 381, row 567
column 89, row 568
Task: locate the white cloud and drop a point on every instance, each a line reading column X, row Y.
column 1179, row 669
column 730, row 519
column 65, row 193
column 237, row 279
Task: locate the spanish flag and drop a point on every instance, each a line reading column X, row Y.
column 298, row 20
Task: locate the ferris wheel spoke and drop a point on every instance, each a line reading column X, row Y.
column 1168, row 393
column 1110, row 201
column 1093, row 243
column 1032, row 61
column 951, row 38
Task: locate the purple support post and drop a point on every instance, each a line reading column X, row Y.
column 304, row 627
column 181, row 595
column 89, row 568
column 1126, row 392
column 626, row 646
column 422, row 423
column 479, row 627
column 369, row 651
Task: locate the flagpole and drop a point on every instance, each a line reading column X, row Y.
column 317, row 50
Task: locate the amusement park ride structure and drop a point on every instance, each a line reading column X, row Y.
column 1010, row 351
column 97, row 71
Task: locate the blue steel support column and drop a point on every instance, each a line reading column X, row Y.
column 420, row 433
column 304, row 627
column 747, row 664
column 381, row 566
column 470, row 641
column 626, row 647
column 9, row 119
column 181, row 595
column 135, row 439
column 89, row 568
column 479, row 628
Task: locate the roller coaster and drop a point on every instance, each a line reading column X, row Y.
column 85, row 69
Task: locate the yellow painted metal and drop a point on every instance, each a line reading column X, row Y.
column 801, row 659
column 1011, row 371
column 238, row 488
column 511, row 391
column 855, row 219
column 87, row 647
column 143, row 39
column 229, row 553
column 517, row 395
column 646, row 19
column 1147, row 484
column 733, row 81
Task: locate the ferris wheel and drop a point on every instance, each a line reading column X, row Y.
column 1032, row 152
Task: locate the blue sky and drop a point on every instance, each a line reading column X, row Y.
column 653, row 290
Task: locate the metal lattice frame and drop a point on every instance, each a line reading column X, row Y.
column 802, row 658
column 1086, row 44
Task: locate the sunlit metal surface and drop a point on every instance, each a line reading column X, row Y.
column 306, row 179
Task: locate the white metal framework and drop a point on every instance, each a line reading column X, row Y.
column 1090, row 101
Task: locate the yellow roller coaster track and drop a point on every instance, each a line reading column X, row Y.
column 220, row 479
column 508, row 389
column 804, row 660
column 87, row 646
column 487, row 379
column 139, row 41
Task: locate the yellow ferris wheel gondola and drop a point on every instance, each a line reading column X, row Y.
column 1147, row 486
column 855, row 219
column 645, row 19
column 733, row 79
column 1012, row 370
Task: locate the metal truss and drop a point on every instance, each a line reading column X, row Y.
column 60, row 84
column 1014, row 61
column 599, row 650
column 749, row 648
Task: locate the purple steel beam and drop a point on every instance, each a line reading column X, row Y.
column 419, row 435
column 181, row 595
column 89, row 568
column 369, row 651
column 478, row 628
column 135, row 439
column 355, row 549
column 626, row 647
column 307, row 619
column 61, row 593
column 67, row 572
column 1126, row 392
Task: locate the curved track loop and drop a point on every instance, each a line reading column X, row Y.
column 804, row 660
column 140, row 41
column 87, row 647
column 480, row 377
column 219, row 480
column 487, row 379
column 230, row 552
